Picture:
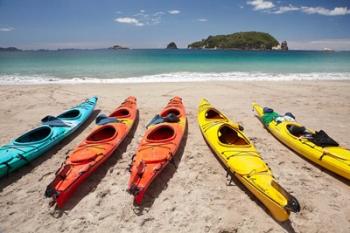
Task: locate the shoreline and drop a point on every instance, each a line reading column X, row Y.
column 194, row 197
column 166, row 83
column 178, row 77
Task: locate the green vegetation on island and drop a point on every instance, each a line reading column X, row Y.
column 239, row 40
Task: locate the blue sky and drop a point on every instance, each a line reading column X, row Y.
column 33, row 24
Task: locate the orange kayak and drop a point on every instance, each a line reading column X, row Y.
column 158, row 146
column 96, row 148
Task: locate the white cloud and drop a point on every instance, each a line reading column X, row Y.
column 261, row 4
column 158, row 13
column 324, row 11
column 141, row 14
column 7, row 29
column 202, row 20
column 270, row 7
column 129, row 20
column 284, row 9
column 154, row 21
column 174, row 12
column 142, row 19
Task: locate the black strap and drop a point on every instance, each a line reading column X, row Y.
column 20, row 156
column 134, row 190
column 51, row 192
column 8, row 166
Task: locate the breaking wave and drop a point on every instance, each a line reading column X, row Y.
column 174, row 77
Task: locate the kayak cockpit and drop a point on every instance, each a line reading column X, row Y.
column 168, row 111
column 102, row 134
column 121, row 113
column 161, row 133
column 36, row 135
column 229, row 136
column 70, row 114
column 213, row 114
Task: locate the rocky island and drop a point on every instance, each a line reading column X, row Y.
column 239, row 41
column 171, row 45
column 283, row 46
column 117, row 47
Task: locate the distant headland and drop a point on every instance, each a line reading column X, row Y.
column 240, row 41
column 10, row 49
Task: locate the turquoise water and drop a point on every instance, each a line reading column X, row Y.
column 160, row 63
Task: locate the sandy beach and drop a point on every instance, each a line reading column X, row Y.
column 195, row 196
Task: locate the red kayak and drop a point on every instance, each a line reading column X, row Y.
column 160, row 143
column 93, row 151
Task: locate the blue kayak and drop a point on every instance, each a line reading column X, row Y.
column 35, row 142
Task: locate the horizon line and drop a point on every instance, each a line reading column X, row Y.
column 181, row 48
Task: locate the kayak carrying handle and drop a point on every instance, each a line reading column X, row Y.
column 132, row 160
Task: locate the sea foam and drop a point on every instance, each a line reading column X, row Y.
column 174, row 77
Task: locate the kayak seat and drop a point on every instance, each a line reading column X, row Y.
column 213, row 115
column 121, row 113
column 53, row 121
column 83, row 156
column 229, row 136
column 102, row 134
column 161, row 133
column 168, row 111
column 296, row 130
column 102, row 119
column 70, row 114
column 35, row 135
column 157, row 119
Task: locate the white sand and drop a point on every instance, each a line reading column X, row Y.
column 195, row 196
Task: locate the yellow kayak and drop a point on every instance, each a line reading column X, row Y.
column 241, row 158
column 333, row 158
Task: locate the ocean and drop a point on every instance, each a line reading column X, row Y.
column 161, row 65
